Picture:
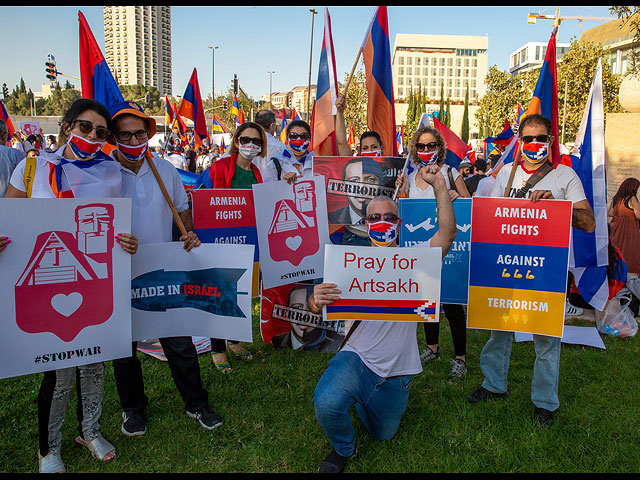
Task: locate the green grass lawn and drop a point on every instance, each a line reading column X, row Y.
column 270, row 424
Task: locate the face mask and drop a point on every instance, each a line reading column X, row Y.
column 82, row 148
column 371, row 153
column 299, row 145
column 535, row 152
column 427, row 158
column 249, row 151
column 383, row 233
column 133, row 154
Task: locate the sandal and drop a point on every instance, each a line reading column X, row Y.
column 240, row 352
column 99, row 447
column 222, row 366
column 50, row 463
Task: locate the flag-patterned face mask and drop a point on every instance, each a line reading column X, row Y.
column 82, row 148
column 371, row 153
column 133, row 154
column 428, row 158
column 535, row 152
column 383, row 233
column 299, row 145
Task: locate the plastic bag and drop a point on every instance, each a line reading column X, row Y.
column 617, row 319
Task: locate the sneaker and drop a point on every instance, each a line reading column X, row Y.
column 133, row 424
column 459, row 368
column 334, row 462
column 543, row 417
column 428, row 354
column 207, row 417
column 482, row 395
column 573, row 310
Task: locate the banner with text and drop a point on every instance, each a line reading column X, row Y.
column 287, row 322
column 292, row 228
column 203, row 293
column 390, row 284
column 420, row 223
column 519, row 262
column 227, row 215
column 64, row 285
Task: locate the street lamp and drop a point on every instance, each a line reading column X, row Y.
column 213, row 61
column 313, row 13
column 270, row 103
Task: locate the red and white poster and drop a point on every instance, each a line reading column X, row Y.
column 287, row 322
column 292, row 229
column 65, row 285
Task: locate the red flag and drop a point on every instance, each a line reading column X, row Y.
column 191, row 108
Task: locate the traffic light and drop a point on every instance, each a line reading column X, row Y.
column 52, row 73
column 235, row 84
column 224, row 104
column 5, row 90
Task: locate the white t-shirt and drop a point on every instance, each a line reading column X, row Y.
column 288, row 163
column 177, row 160
column 151, row 217
column 563, row 182
column 485, row 186
column 388, row 349
column 274, row 148
column 416, row 192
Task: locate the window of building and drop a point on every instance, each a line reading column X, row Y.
column 401, row 60
column 418, row 61
column 450, row 62
column 409, row 60
column 409, row 70
column 442, row 62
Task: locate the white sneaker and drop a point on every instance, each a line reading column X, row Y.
column 573, row 310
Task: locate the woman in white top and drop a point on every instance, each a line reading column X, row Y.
column 427, row 147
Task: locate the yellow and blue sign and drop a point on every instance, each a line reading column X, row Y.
column 519, row 261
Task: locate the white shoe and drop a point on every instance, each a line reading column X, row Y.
column 573, row 310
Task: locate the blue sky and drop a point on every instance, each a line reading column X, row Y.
column 255, row 40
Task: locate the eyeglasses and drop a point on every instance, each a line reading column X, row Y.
column 87, row 127
column 301, row 136
column 536, row 138
column 388, row 217
column 125, row 136
column 429, row 147
column 246, row 140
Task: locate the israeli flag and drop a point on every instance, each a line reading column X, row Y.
column 588, row 257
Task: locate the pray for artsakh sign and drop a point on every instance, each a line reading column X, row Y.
column 519, row 261
column 391, row 284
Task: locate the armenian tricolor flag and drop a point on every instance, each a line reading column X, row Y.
column 519, row 115
column 294, row 115
column 96, row 78
column 4, row 116
column 191, row 108
column 235, row 110
column 400, row 140
column 385, row 310
column 283, row 129
column 456, row 148
column 181, row 127
column 217, row 126
column 168, row 111
column 377, row 60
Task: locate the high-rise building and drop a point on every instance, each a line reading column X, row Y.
column 531, row 56
column 429, row 62
column 138, row 45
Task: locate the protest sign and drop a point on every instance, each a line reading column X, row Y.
column 352, row 182
column 292, row 228
column 204, row 292
column 420, row 223
column 391, row 284
column 518, row 265
column 286, row 321
column 227, row 216
column 30, row 128
column 64, row 288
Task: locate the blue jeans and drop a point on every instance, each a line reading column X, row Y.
column 494, row 362
column 380, row 402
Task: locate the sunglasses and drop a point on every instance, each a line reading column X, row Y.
column 126, row 136
column 87, row 127
column 429, row 147
column 388, row 217
column 296, row 136
column 247, row 140
column 536, row 138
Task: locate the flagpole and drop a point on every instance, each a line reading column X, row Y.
column 516, row 161
column 355, row 64
column 173, row 124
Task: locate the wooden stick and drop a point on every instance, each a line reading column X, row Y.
column 355, row 64
column 516, row 161
column 176, row 216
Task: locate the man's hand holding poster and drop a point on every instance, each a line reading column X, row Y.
column 65, row 284
column 204, row 292
column 391, row 284
column 518, row 265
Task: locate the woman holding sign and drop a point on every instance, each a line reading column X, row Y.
column 427, row 147
column 77, row 169
column 237, row 171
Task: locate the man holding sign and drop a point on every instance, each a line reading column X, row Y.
column 551, row 181
column 375, row 368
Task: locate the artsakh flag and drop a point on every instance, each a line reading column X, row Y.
column 545, row 95
column 400, row 139
column 96, row 78
column 386, row 310
column 323, row 136
column 191, row 108
column 456, row 148
column 4, row 116
column 381, row 116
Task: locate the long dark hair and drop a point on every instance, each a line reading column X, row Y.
column 628, row 188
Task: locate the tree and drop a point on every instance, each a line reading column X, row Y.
column 447, row 115
column 147, row 97
column 356, row 107
column 441, row 109
column 464, row 130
